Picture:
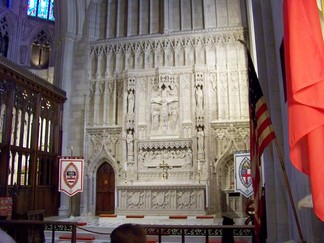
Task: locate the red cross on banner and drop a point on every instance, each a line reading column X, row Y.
column 243, row 177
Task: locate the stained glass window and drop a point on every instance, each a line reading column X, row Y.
column 41, row 8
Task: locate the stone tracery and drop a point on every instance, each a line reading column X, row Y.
column 167, row 105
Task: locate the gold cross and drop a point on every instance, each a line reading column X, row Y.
column 165, row 167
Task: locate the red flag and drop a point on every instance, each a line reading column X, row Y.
column 261, row 134
column 304, row 63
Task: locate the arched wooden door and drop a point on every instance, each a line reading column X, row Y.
column 105, row 195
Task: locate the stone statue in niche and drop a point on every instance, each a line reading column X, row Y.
column 199, row 97
column 200, row 142
column 130, row 102
column 130, row 145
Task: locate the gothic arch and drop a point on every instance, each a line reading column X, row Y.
column 6, row 25
column 41, row 39
column 91, row 170
column 103, row 156
column 45, row 29
column 230, row 200
column 225, row 171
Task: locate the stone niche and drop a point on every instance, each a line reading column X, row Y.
column 161, row 199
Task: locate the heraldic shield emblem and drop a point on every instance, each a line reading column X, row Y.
column 71, row 173
column 245, row 172
column 243, row 176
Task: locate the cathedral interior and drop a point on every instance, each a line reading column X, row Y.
column 153, row 95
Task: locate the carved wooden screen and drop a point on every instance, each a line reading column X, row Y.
column 30, row 139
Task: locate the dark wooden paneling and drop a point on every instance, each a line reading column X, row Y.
column 28, row 170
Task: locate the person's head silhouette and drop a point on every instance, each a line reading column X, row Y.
column 128, row 233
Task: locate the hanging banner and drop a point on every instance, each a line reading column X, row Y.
column 71, row 173
column 243, row 176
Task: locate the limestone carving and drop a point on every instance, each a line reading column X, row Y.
column 164, row 104
column 231, row 137
column 186, row 199
column 160, row 199
column 102, row 139
column 135, row 199
column 170, row 96
column 130, row 145
column 165, row 199
column 200, row 142
column 131, row 102
column 199, row 97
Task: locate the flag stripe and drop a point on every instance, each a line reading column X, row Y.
column 261, row 134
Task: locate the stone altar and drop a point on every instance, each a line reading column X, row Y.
column 161, row 199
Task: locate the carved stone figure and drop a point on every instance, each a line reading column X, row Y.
column 199, row 97
column 155, row 119
column 130, row 146
column 165, row 113
column 131, row 102
column 200, row 140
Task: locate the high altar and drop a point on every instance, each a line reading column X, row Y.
column 166, row 112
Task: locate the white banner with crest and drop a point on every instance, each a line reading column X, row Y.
column 71, row 174
column 243, row 175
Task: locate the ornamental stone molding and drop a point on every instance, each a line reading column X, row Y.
column 161, row 199
column 230, row 138
column 178, row 103
column 102, row 139
column 170, row 51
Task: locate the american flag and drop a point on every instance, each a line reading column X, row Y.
column 261, row 134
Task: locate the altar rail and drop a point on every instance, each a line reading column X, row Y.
column 17, row 228
column 206, row 231
column 33, row 230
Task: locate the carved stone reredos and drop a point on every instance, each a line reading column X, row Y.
column 102, row 139
column 176, row 153
column 231, row 137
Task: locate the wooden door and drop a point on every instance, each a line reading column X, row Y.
column 105, row 196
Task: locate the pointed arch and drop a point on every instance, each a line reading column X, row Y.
column 105, row 189
column 4, row 34
column 91, row 170
column 102, row 157
column 40, row 48
column 225, row 171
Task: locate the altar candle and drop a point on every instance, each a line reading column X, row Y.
column 199, row 165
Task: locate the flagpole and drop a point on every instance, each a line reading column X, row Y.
column 283, row 167
column 282, row 163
